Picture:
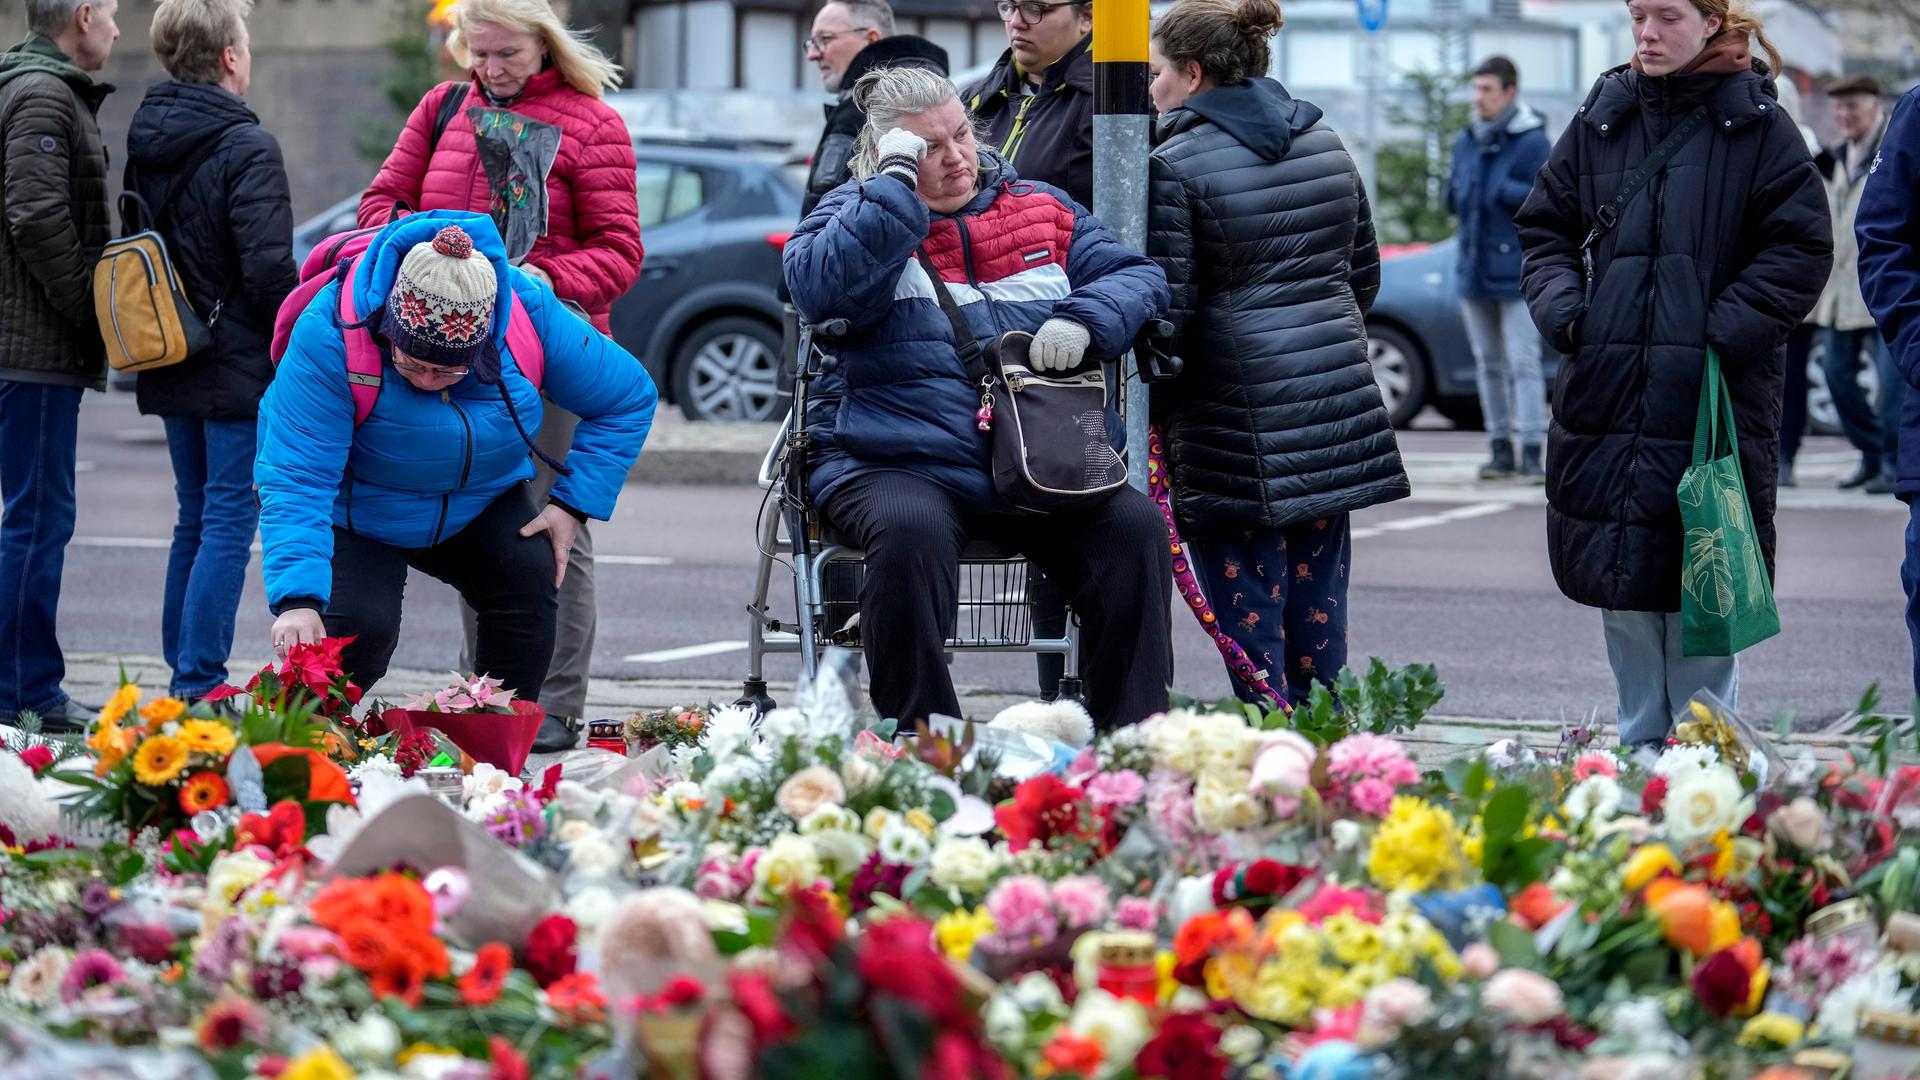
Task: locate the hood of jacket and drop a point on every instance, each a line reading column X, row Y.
column 39, row 53
column 901, row 50
column 1525, row 118
column 1258, row 113
column 176, row 119
column 378, row 267
column 1732, row 100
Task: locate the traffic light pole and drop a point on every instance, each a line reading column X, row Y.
column 1121, row 142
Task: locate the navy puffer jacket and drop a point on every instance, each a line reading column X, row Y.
column 1019, row 254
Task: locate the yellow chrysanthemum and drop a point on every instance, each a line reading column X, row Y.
column 117, row 705
column 421, row 1049
column 956, row 932
column 160, row 712
column 1416, row 848
column 207, row 737
column 321, row 1064
column 160, row 760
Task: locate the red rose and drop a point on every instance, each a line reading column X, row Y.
column 1271, row 878
column 550, row 952
column 753, row 995
column 1187, row 1048
column 816, row 928
column 37, row 758
column 896, row 958
column 1654, row 796
column 1724, row 984
column 1041, row 809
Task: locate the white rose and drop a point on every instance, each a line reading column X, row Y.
column 725, row 918
column 876, row 823
column 232, row 874
column 830, row 818
column 1595, row 799
column 593, row 856
column 788, row 863
column 372, row 1040
column 487, row 780
column 860, row 773
column 1120, row 1027
column 1702, row 802
column 903, row 845
column 1006, row 1024
column 840, row 852
column 1036, row 992
column 966, row 863
column 1347, row 835
column 1222, row 803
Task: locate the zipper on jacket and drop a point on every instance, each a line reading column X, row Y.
column 1646, row 358
column 973, row 279
column 466, row 456
column 1019, row 130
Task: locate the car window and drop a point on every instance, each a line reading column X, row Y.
column 667, row 192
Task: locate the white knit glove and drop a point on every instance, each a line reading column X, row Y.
column 1059, row 344
column 900, row 152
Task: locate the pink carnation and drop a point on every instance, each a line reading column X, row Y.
column 1371, row 755
column 723, row 879
column 1332, row 900
column 1136, row 913
column 1594, row 765
column 1372, row 796
column 1122, row 788
column 1082, row 901
column 1022, row 908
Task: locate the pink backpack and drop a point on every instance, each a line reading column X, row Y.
column 333, row 259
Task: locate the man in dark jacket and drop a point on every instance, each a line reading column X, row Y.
column 849, row 39
column 1037, row 102
column 1887, row 227
column 53, row 170
column 1494, row 162
column 215, row 184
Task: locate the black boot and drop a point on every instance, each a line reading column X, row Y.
column 1533, row 466
column 555, row 736
column 1786, row 474
column 1501, row 467
column 1869, row 468
column 71, row 718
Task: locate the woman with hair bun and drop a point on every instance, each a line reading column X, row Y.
column 1276, row 430
column 1725, row 247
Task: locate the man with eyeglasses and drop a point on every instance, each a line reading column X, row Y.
column 849, row 39
column 1037, row 102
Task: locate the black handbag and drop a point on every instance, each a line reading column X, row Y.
column 1052, row 450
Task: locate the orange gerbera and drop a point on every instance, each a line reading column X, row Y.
column 116, row 707
column 111, row 743
column 1691, row 917
column 203, row 791
column 482, row 983
column 400, row 976
column 578, row 998
column 162, row 711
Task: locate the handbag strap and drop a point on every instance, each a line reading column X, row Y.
column 1714, row 436
column 1605, row 218
column 972, row 357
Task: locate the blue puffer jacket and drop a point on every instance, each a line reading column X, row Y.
column 1019, row 254
column 1489, row 182
column 424, row 465
column 1888, row 228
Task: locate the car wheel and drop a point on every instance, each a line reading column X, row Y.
column 729, row 369
column 1400, row 370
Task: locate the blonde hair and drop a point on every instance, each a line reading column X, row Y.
column 888, row 94
column 1741, row 20
column 189, row 36
column 579, row 61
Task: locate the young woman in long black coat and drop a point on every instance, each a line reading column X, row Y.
column 1726, row 248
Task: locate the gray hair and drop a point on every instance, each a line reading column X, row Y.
column 51, row 17
column 874, row 14
column 888, row 94
column 190, row 36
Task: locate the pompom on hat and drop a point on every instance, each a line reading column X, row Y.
column 440, row 310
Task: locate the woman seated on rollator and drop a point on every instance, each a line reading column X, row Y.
column 435, row 476
column 901, row 464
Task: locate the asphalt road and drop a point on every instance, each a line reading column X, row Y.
column 1457, row 576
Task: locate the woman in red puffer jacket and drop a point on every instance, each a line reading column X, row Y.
column 523, row 58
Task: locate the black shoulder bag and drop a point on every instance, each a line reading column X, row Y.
column 1051, row 448
column 1608, row 215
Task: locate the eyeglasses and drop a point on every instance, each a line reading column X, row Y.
column 821, row 41
column 414, row 367
column 1030, row 10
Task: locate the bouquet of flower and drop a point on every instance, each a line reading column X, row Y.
column 486, row 722
column 671, row 728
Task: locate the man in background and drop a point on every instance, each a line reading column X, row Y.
column 849, row 39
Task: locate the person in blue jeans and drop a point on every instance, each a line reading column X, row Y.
column 1886, row 225
column 1852, row 339
column 215, row 184
column 1494, row 162
column 53, row 223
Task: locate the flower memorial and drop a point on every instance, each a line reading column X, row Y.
column 266, row 887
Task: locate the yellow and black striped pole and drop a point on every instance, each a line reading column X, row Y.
column 1121, row 141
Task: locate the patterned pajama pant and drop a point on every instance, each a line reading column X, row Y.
column 1283, row 597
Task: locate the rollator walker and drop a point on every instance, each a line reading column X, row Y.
column 995, row 611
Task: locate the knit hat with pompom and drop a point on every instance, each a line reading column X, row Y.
column 441, row 308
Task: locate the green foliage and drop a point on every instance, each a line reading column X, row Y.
column 1382, row 702
column 1410, row 174
column 413, row 68
column 1509, row 858
column 1888, row 736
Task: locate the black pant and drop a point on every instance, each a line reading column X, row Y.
column 1793, row 411
column 506, row 578
column 1111, row 563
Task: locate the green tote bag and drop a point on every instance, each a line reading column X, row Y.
column 1726, row 601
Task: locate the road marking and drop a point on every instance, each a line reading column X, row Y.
column 1427, row 521
column 685, row 652
column 154, row 543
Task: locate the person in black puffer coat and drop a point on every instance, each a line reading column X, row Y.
column 1726, row 248
column 1276, row 430
column 214, row 180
